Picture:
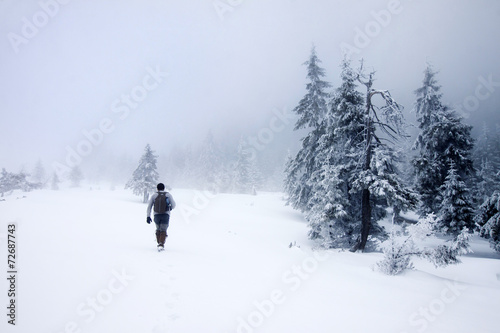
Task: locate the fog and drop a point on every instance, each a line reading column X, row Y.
column 121, row 74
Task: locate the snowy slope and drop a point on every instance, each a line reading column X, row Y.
column 88, row 263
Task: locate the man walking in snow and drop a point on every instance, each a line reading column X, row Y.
column 163, row 203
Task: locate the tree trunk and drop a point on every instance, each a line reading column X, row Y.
column 366, row 217
column 146, row 196
column 366, row 209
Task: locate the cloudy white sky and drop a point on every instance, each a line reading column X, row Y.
column 67, row 67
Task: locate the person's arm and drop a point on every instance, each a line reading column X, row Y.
column 172, row 201
column 150, row 204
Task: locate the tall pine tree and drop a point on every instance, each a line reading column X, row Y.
column 311, row 110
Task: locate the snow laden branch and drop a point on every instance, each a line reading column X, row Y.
column 392, row 123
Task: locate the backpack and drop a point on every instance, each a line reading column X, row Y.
column 162, row 203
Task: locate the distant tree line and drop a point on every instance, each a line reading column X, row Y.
column 208, row 167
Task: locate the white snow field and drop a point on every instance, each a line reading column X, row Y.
column 87, row 262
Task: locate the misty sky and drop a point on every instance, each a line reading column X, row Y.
column 72, row 67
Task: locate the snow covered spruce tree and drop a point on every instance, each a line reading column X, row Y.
column 145, row 177
column 488, row 220
column 334, row 213
column 442, row 139
column 456, row 212
column 377, row 178
column 311, row 110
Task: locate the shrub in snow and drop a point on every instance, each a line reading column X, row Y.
column 398, row 250
column 397, row 256
column 445, row 255
column 488, row 220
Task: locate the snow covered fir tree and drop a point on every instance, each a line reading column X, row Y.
column 311, row 110
column 443, row 139
column 145, row 177
column 456, row 212
column 334, row 209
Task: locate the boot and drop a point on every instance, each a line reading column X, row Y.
column 158, row 237
column 163, row 236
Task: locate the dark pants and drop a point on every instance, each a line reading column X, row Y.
column 162, row 221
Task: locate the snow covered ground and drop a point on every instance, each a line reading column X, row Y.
column 87, row 262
